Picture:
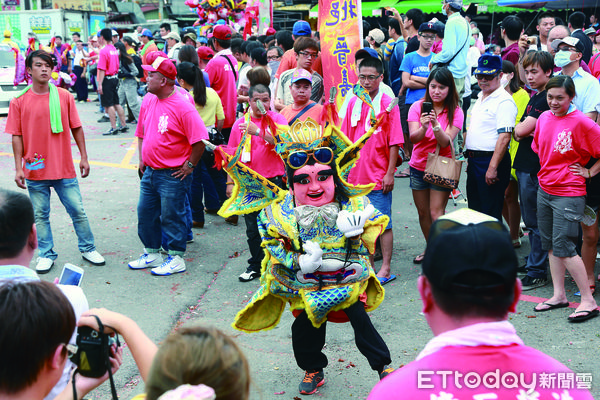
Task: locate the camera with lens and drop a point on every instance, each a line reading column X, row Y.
column 93, row 351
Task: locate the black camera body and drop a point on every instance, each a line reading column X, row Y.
column 93, row 350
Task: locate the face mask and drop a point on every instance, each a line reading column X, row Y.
column 562, row 58
column 274, row 66
column 504, row 81
column 444, row 10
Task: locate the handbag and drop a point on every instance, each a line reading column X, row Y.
column 442, row 171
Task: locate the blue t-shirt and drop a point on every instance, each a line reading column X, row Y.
column 417, row 65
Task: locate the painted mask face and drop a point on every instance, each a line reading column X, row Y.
column 313, row 185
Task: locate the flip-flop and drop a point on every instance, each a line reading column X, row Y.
column 385, row 281
column 419, row 259
column 551, row 306
column 585, row 315
column 403, row 174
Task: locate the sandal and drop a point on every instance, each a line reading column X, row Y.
column 516, row 243
column 419, row 259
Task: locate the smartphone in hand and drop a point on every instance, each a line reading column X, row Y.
column 71, row 275
column 427, row 107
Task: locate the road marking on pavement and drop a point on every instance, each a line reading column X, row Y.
column 129, row 155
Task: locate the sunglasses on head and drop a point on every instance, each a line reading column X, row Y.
column 299, row 158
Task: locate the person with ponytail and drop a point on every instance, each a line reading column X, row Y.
column 209, row 106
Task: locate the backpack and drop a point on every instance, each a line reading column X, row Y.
column 138, row 64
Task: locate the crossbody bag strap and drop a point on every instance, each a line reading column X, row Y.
column 231, row 65
column 301, row 113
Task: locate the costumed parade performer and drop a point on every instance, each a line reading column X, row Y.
column 317, row 238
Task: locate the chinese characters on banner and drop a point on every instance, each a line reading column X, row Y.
column 340, row 25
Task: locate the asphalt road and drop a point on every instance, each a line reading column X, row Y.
column 209, row 291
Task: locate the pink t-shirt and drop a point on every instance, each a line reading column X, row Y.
column 418, row 159
column 375, row 155
column 108, row 60
column 169, row 128
column 561, row 142
column 263, row 158
column 46, row 155
column 222, row 80
column 424, row 379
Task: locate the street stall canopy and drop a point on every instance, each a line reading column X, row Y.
column 551, row 4
column 369, row 8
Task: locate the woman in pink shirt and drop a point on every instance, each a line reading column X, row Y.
column 564, row 140
column 427, row 131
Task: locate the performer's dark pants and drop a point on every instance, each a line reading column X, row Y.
column 253, row 235
column 308, row 341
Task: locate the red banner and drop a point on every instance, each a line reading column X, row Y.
column 340, row 26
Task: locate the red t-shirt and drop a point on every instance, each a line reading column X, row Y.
column 424, row 379
column 263, row 158
column 108, row 60
column 315, row 112
column 46, row 155
column 418, row 159
column 222, row 80
column 561, row 142
column 288, row 61
column 169, row 128
column 374, row 159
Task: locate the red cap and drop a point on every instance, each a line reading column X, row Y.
column 271, row 31
column 162, row 65
column 222, row 32
column 205, row 53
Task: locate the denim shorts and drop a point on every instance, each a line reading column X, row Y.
column 383, row 203
column 417, row 182
column 559, row 218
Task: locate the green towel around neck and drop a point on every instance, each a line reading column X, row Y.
column 55, row 115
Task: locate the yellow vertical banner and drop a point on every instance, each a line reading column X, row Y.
column 340, row 29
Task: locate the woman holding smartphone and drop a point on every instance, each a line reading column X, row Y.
column 564, row 140
column 434, row 120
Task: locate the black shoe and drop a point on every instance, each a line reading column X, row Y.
column 386, row 371
column 104, row 118
column 522, row 270
column 211, row 211
column 131, row 121
column 123, row 128
column 530, row 283
column 111, row 131
column 249, row 275
column 312, row 380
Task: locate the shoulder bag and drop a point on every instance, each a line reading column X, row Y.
column 442, row 171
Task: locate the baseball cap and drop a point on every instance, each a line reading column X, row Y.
column 428, row 27
column 571, row 41
column 147, row 33
column 205, row 53
column 301, row 28
column 172, row 35
column 222, row 32
column 301, row 74
column 114, row 33
column 488, row 64
column 377, row 35
column 470, row 252
column 456, row 4
column 365, row 53
column 190, row 35
column 162, row 65
column 270, row 31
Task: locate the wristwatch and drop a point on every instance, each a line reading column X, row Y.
column 437, row 128
column 190, row 165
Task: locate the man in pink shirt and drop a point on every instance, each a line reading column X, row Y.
column 169, row 134
column 378, row 158
column 258, row 154
column 108, row 82
column 468, row 286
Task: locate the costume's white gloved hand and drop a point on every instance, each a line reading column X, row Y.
column 311, row 261
column 351, row 223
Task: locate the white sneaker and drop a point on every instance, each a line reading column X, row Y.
column 93, row 257
column 44, row 265
column 172, row 265
column 146, row 260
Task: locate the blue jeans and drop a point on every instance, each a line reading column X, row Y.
column 162, row 209
column 70, row 196
column 537, row 260
column 487, row 199
column 203, row 191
